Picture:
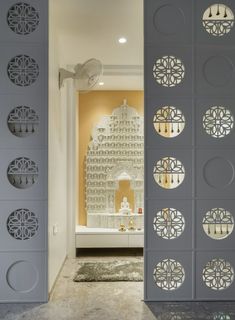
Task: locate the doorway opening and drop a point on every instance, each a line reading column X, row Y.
column 105, row 126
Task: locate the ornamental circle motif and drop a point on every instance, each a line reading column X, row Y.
column 218, row 122
column 218, row 223
column 218, row 20
column 169, row 223
column 168, row 71
column 169, row 173
column 22, row 224
column 22, row 18
column 169, row 274
column 169, row 121
column 22, row 173
column 23, row 70
column 23, row 121
column 218, row 274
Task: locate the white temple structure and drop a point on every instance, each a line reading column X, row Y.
column 115, row 152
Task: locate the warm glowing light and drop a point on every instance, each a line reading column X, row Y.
column 122, row 40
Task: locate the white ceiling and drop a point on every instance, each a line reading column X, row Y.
column 91, row 28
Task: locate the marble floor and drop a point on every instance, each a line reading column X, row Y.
column 109, row 301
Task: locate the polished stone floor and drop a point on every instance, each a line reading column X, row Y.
column 109, row 301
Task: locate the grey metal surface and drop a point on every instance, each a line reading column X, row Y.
column 204, row 139
column 175, row 28
column 184, row 241
column 23, row 204
column 153, row 190
column 153, row 139
column 184, row 292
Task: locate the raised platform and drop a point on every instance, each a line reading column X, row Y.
column 108, row 238
column 114, row 220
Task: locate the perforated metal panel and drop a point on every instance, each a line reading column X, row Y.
column 189, row 66
column 23, row 150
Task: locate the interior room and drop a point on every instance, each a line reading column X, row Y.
column 101, row 173
column 117, row 170
column 105, row 137
column 110, row 168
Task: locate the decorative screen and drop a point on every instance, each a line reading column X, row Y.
column 169, row 274
column 23, row 70
column 23, row 121
column 169, row 122
column 24, row 150
column 22, row 173
column 189, row 77
column 218, row 122
column 218, row 223
column 169, row 223
column 218, row 274
column 218, row 20
column 168, row 71
column 22, row 18
column 169, row 173
column 22, row 224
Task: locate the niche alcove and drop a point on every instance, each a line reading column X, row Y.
column 115, row 155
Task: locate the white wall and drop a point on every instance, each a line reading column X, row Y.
column 57, row 155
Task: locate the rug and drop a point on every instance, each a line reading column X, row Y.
column 118, row 270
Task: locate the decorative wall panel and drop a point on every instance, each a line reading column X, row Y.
column 169, row 223
column 23, row 18
column 169, row 122
column 168, row 71
column 22, row 173
column 23, row 146
column 22, row 224
column 115, row 152
column 23, row 121
column 169, row 274
column 23, row 70
column 218, row 20
column 189, row 150
column 218, row 121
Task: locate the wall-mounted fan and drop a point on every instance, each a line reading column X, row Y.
column 86, row 75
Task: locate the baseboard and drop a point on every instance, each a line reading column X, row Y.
column 57, row 277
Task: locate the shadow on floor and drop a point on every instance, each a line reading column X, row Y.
column 14, row 310
column 192, row 310
column 117, row 252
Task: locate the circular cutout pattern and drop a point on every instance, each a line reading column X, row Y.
column 218, row 173
column 22, row 224
column 168, row 71
column 218, row 223
column 23, row 70
column 218, row 20
column 23, row 121
column 218, row 71
column 169, row 173
column 22, row 18
column 22, row 173
column 169, row 223
column 168, row 13
column 169, row 122
column 169, row 274
column 218, row 274
column 22, row 276
column 218, row 122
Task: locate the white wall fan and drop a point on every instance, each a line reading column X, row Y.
column 85, row 75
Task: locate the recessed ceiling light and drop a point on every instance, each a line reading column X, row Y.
column 101, row 83
column 122, row 40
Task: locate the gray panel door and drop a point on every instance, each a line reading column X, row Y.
column 23, row 150
column 189, row 150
